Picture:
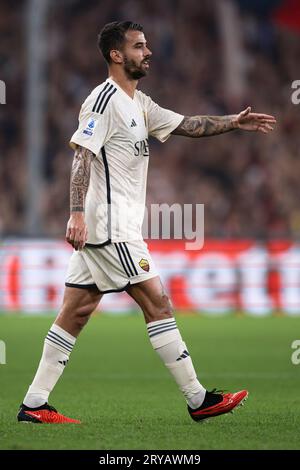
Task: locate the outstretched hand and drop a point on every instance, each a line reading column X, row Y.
column 254, row 122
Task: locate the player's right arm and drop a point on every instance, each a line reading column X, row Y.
column 76, row 233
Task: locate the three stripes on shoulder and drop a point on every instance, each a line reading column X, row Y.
column 103, row 98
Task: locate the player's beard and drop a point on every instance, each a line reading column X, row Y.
column 132, row 70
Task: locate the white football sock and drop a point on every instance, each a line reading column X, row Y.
column 58, row 346
column 167, row 342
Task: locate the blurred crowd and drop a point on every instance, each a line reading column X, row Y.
column 247, row 181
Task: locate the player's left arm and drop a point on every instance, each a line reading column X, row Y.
column 204, row 126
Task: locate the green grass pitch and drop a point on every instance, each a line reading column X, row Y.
column 117, row 385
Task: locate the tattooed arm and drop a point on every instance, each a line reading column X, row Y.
column 80, row 178
column 76, row 233
column 201, row 126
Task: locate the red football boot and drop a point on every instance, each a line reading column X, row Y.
column 217, row 403
column 43, row 414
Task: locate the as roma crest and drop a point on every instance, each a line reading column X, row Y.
column 144, row 264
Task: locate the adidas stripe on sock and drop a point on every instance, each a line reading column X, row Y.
column 167, row 341
column 58, row 346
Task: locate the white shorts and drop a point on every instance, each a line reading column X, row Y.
column 111, row 268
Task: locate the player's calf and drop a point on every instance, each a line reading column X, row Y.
column 167, row 341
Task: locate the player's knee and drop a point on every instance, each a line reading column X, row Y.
column 160, row 311
column 83, row 314
column 77, row 317
column 81, row 320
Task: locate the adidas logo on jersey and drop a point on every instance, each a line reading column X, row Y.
column 133, row 123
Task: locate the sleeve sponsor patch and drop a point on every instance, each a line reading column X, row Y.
column 90, row 127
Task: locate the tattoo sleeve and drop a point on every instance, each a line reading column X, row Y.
column 203, row 126
column 80, row 178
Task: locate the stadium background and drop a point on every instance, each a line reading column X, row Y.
column 209, row 57
column 215, row 58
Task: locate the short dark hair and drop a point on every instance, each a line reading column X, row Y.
column 112, row 36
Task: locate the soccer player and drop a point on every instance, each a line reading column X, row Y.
column 108, row 179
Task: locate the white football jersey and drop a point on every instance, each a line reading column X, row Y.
column 116, row 129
